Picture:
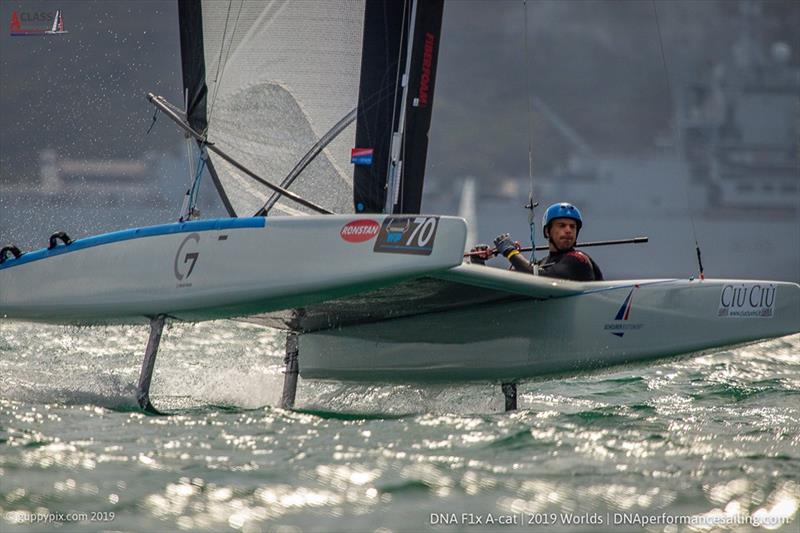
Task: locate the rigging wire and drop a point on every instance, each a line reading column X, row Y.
column 677, row 140
column 367, row 104
column 220, row 63
column 196, row 185
column 189, row 208
column 400, row 66
column 531, row 205
column 158, row 101
column 155, row 116
column 190, row 142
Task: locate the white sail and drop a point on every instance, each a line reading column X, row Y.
column 468, row 210
column 280, row 74
column 58, row 25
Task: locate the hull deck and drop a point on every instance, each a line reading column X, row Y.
column 210, row 269
column 536, row 327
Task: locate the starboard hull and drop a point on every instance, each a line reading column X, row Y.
column 601, row 325
column 211, row 269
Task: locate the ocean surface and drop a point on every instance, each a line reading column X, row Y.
column 710, row 443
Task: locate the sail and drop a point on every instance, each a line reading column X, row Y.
column 268, row 81
column 422, row 78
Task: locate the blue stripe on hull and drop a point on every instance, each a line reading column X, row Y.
column 138, row 233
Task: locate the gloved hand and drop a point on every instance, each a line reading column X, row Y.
column 505, row 245
column 480, row 253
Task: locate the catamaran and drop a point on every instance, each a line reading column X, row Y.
column 377, row 292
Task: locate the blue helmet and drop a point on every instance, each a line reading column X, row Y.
column 561, row 210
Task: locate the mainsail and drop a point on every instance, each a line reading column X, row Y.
column 267, row 81
column 385, row 61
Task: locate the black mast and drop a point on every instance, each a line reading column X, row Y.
column 380, row 93
column 419, row 107
column 193, row 66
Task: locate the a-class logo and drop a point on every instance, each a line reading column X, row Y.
column 186, row 259
column 360, row 230
column 621, row 324
column 35, row 23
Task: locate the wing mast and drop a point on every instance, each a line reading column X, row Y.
column 401, row 42
column 395, row 170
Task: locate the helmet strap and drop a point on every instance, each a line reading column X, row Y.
column 549, row 238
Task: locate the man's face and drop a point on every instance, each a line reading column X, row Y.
column 563, row 232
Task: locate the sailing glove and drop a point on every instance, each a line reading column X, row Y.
column 480, row 253
column 505, row 245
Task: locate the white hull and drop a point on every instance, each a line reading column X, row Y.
column 221, row 268
column 574, row 327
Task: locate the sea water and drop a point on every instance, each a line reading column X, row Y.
column 710, row 443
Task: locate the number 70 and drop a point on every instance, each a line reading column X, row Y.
column 424, row 229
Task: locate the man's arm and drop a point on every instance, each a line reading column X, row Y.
column 508, row 248
column 519, row 263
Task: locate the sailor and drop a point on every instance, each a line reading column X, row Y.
column 561, row 224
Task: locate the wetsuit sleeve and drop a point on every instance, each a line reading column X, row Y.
column 574, row 265
column 598, row 274
column 520, row 264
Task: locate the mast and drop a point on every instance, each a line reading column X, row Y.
column 195, row 90
column 420, row 100
column 395, row 170
column 395, row 103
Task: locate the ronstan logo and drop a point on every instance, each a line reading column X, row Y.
column 360, row 230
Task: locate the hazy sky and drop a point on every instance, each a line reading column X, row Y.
column 83, row 93
column 597, row 63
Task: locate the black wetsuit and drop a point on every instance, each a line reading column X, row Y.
column 571, row 264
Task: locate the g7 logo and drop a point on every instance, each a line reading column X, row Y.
column 181, row 258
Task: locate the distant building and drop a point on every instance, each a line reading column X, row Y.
column 131, row 179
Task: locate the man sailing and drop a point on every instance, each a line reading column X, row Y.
column 560, row 225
